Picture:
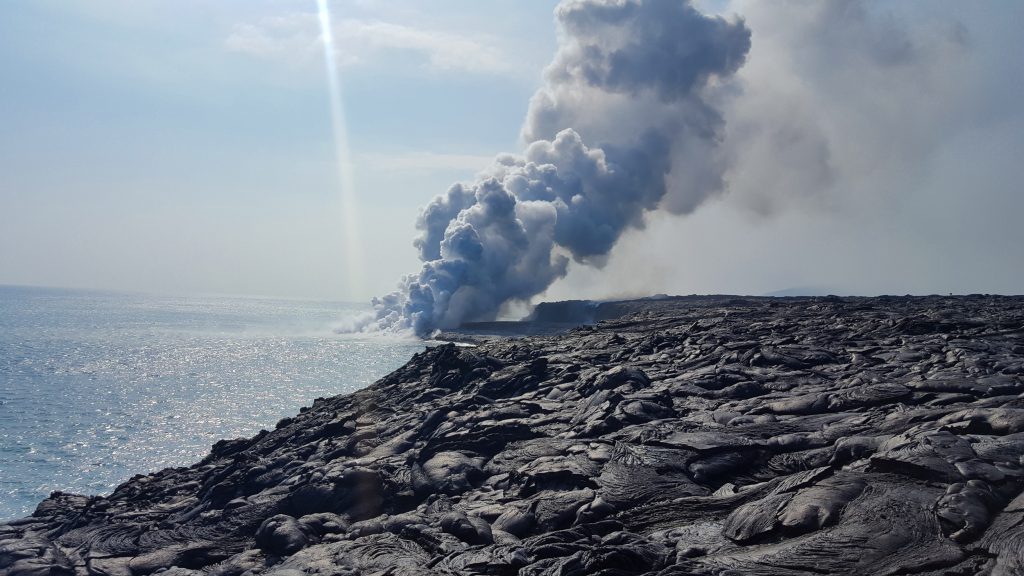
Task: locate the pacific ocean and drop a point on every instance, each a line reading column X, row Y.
column 98, row 386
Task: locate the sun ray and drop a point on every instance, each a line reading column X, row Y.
column 343, row 158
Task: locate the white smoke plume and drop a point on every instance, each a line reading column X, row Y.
column 628, row 122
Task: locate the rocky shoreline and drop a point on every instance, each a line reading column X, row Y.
column 688, row 436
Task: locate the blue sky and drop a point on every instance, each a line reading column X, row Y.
column 186, row 146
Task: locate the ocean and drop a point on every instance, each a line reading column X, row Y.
column 96, row 387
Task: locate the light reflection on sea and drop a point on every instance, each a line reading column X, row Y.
column 96, row 387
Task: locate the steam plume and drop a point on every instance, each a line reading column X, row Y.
column 626, row 123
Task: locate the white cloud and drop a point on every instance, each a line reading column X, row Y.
column 843, row 102
column 297, row 37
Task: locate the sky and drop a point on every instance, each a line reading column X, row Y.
column 188, row 147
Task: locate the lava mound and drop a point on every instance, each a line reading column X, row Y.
column 693, row 436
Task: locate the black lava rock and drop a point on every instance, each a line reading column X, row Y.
column 697, row 435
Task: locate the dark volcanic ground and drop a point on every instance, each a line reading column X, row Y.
column 696, row 436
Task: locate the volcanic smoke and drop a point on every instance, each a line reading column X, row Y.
column 626, row 123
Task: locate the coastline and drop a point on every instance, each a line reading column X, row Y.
column 674, row 436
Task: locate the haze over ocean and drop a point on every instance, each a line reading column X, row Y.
column 96, row 387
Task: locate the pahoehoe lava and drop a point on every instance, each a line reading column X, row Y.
column 690, row 436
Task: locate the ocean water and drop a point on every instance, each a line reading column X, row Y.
column 96, row 387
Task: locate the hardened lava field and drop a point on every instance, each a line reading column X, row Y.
column 689, row 436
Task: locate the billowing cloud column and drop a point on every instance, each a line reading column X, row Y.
column 625, row 124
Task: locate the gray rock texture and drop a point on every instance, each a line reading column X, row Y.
column 690, row 436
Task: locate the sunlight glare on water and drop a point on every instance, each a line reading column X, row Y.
column 97, row 387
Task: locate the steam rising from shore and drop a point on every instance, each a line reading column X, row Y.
column 626, row 123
